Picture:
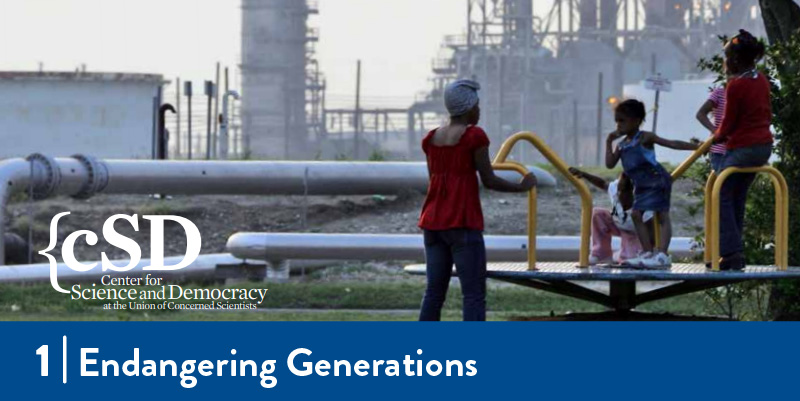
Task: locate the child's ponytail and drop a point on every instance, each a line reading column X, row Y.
column 748, row 47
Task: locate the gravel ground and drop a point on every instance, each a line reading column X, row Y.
column 218, row 217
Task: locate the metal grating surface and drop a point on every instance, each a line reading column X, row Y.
column 679, row 272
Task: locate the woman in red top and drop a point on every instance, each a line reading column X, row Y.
column 745, row 131
column 451, row 217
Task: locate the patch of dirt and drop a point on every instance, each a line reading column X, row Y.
column 218, row 217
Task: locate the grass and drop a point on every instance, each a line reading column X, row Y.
column 339, row 301
column 261, row 316
column 21, row 225
column 160, row 207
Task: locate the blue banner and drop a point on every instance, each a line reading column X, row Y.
column 402, row 361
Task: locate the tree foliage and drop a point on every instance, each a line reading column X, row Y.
column 782, row 21
column 780, row 64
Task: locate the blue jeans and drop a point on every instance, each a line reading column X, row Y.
column 465, row 249
column 733, row 197
column 716, row 161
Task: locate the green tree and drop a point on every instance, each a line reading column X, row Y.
column 781, row 18
column 782, row 21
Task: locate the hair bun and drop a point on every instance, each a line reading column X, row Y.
column 748, row 46
column 746, row 35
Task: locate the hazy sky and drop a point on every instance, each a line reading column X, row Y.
column 396, row 39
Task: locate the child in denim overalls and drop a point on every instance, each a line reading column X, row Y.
column 652, row 183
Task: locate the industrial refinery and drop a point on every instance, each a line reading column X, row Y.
column 556, row 73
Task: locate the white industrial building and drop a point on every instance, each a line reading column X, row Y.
column 107, row 115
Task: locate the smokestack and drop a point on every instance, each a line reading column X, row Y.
column 588, row 12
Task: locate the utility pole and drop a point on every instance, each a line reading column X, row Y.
column 227, row 88
column 625, row 23
column 178, row 118
column 484, row 22
column 156, row 123
column 209, row 94
column 216, row 114
column 560, row 18
column 653, row 64
column 469, row 29
column 599, row 117
column 575, row 133
column 225, row 123
column 357, row 114
column 522, row 116
column 187, row 90
column 287, row 118
column 412, row 134
column 655, row 111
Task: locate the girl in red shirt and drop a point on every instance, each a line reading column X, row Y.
column 451, row 216
column 745, row 131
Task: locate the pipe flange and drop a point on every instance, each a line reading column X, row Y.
column 46, row 185
column 98, row 176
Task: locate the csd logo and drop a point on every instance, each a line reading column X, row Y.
column 118, row 240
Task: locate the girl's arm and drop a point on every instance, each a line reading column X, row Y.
column 612, row 155
column 484, row 165
column 594, row 180
column 702, row 115
column 651, row 138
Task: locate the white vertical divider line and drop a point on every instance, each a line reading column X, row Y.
column 64, row 362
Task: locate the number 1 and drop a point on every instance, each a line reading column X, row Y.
column 42, row 351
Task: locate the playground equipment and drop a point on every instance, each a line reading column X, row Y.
column 625, row 290
column 712, row 198
column 83, row 176
column 501, row 163
column 713, row 188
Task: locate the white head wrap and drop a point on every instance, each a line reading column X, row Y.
column 461, row 96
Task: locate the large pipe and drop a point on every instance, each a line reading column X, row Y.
column 268, row 247
column 204, row 267
column 83, row 177
column 274, row 178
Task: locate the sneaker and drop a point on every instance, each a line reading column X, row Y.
column 657, row 262
column 637, row 261
column 594, row 261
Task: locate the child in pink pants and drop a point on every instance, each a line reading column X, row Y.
column 615, row 222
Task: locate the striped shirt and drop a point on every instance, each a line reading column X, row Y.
column 717, row 97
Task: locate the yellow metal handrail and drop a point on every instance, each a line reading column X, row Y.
column 532, row 210
column 501, row 163
column 678, row 173
column 683, row 167
column 712, row 200
column 713, row 189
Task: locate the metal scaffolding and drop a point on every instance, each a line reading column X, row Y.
column 552, row 71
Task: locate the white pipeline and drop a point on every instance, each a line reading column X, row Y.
column 269, row 246
column 83, row 177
